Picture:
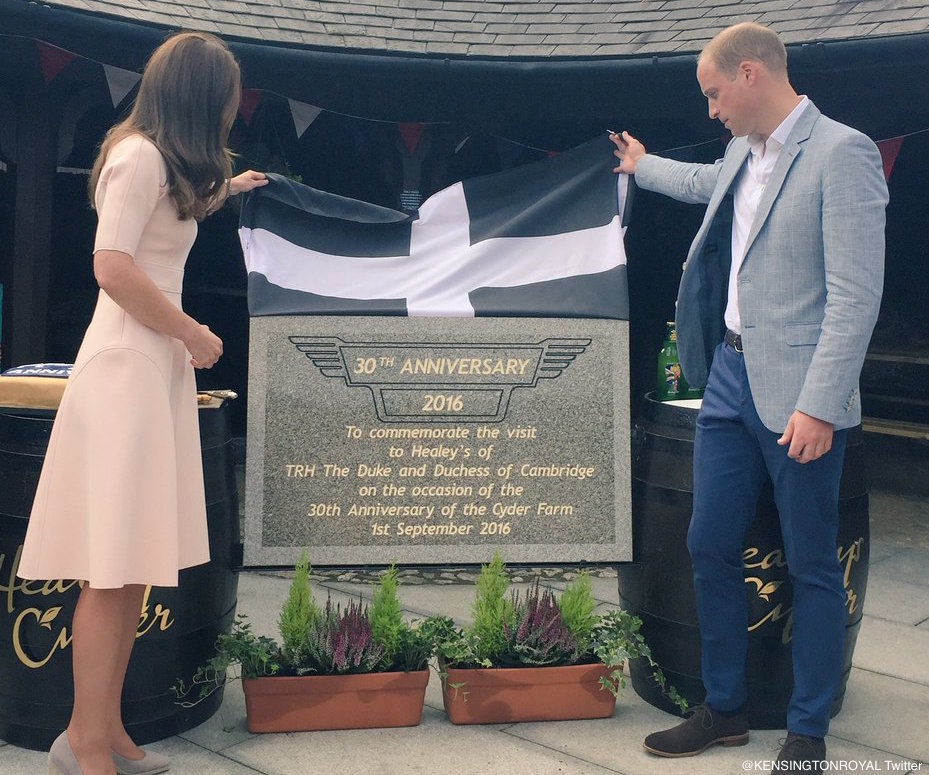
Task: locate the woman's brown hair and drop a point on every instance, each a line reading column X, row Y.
column 186, row 105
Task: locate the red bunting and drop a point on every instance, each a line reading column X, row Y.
column 251, row 99
column 411, row 133
column 52, row 60
column 889, row 150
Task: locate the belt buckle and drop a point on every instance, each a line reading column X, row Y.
column 734, row 340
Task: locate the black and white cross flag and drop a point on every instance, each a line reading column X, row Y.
column 541, row 240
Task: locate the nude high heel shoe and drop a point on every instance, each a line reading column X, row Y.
column 61, row 760
column 150, row 764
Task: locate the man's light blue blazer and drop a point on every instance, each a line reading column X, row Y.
column 810, row 285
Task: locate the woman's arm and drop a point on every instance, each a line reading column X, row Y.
column 134, row 291
column 246, row 181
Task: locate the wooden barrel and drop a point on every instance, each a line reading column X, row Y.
column 178, row 626
column 658, row 586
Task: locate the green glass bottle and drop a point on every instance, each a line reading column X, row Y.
column 693, row 392
column 671, row 383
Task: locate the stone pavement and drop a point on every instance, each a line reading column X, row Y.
column 883, row 727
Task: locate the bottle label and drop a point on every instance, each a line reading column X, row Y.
column 672, row 378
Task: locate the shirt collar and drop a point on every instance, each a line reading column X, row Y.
column 779, row 136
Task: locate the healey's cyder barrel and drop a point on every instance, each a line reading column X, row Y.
column 658, row 586
column 177, row 627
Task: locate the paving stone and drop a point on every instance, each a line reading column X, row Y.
column 225, row 728
column 898, row 601
column 433, row 747
column 851, row 757
column 616, row 743
column 909, row 565
column 882, row 548
column 894, row 649
column 885, row 713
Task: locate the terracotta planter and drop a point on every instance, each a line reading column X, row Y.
column 504, row 695
column 314, row 702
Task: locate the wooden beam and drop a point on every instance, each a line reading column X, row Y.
column 907, row 430
column 897, row 357
column 35, row 156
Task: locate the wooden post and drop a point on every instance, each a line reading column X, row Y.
column 35, row 155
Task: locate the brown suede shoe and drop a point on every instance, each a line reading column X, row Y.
column 804, row 754
column 703, row 729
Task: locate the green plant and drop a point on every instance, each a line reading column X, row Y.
column 543, row 629
column 484, row 643
column 387, row 623
column 617, row 638
column 405, row 645
column 256, row 656
column 450, row 644
column 298, row 615
column 324, row 642
column 491, row 610
column 577, row 606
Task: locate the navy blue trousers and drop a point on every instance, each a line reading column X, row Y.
column 733, row 454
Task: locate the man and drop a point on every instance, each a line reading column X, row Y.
column 778, row 298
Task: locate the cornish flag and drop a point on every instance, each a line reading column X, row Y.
column 542, row 240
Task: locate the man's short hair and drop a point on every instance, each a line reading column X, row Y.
column 746, row 41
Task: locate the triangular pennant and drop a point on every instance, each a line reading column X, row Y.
column 411, row 133
column 120, row 82
column 52, row 60
column 303, row 115
column 251, row 99
column 889, row 150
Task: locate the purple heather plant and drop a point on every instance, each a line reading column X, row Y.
column 536, row 634
column 341, row 642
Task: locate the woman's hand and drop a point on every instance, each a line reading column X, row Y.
column 246, row 181
column 204, row 346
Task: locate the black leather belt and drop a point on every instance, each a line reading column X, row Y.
column 734, row 340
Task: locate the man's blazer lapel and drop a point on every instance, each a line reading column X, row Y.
column 799, row 134
column 730, row 171
column 732, row 164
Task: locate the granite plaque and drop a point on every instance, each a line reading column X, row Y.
column 417, row 440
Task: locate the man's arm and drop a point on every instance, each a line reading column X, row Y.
column 692, row 183
column 853, row 216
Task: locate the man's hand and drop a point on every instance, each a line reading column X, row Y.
column 628, row 151
column 809, row 437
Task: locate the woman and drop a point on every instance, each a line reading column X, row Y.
column 120, row 502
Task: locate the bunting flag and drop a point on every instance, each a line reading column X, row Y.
column 120, row 82
column 414, row 144
column 52, row 60
column 545, row 239
column 251, row 99
column 303, row 115
column 889, row 150
column 412, row 133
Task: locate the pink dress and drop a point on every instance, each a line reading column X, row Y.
column 120, row 499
